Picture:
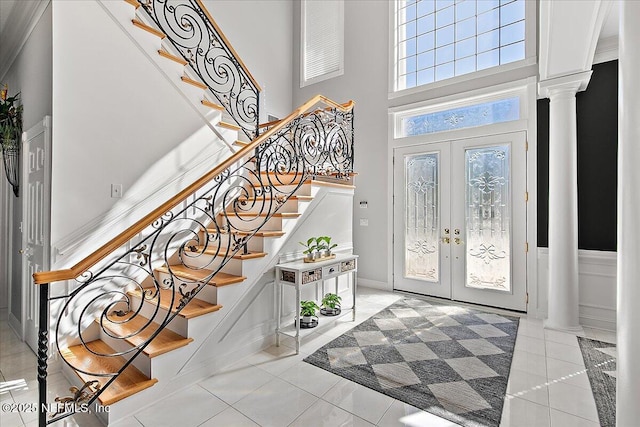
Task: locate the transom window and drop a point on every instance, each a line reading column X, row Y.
column 440, row 39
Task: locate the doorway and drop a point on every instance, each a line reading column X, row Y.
column 460, row 220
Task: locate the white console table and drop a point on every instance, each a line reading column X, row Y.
column 300, row 273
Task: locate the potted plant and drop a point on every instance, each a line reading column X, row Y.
column 311, row 248
column 331, row 305
column 326, row 245
column 10, row 132
column 321, row 246
column 308, row 311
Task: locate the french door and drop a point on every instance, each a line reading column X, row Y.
column 460, row 220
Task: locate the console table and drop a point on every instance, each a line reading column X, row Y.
column 300, row 273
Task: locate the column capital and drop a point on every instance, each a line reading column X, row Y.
column 568, row 85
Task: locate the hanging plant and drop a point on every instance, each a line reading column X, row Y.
column 10, row 132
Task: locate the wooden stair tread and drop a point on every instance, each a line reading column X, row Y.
column 241, row 143
column 172, row 57
column 246, row 233
column 212, row 105
column 264, row 197
column 195, row 308
column 164, row 342
column 330, row 184
column 192, row 82
column 129, row 382
column 275, row 215
column 147, row 28
column 220, row 279
column 133, row 3
column 228, row 125
column 212, row 250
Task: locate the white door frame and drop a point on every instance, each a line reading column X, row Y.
column 526, row 89
column 44, row 127
column 451, row 214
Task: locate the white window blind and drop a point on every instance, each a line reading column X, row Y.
column 322, row 40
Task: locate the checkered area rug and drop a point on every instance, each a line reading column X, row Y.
column 448, row 360
column 600, row 361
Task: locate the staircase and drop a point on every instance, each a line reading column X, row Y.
column 147, row 303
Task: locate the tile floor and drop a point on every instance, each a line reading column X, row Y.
column 548, row 386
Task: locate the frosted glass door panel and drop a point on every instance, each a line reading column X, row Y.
column 488, row 218
column 421, row 236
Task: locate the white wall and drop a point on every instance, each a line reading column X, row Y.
column 116, row 120
column 597, row 288
column 261, row 33
column 30, row 74
column 366, row 81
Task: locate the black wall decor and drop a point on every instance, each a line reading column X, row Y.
column 597, row 131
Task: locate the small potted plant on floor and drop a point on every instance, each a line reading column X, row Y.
column 308, row 318
column 331, row 305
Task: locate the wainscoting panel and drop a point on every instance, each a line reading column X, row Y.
column 597, row 274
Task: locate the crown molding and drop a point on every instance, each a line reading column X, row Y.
column 23, row 18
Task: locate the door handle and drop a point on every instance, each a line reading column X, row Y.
column 458, row 241
column 456, row 231
column 446, row 231
column 446, row 240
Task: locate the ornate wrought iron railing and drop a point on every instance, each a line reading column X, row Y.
column 232, row 202
column 193, row 32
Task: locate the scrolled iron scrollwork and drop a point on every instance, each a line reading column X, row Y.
column 127, row 295
column 196, row 37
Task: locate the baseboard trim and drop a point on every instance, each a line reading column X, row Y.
column 15, row 325
column 375, row 284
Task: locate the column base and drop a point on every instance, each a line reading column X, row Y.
column 573, row 330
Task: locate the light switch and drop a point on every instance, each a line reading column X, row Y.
column 116, row 191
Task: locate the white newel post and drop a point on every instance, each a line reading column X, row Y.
column 563, row 200
column 628, row 321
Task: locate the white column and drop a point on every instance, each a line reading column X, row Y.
column 628, row 322
column 563, row 200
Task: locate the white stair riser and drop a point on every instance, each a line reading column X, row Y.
column 252, row 223
column 210, row 262
column 142, row 362
column 255, row 244
column 208, row 292
column 260, row 205
column 303, row 190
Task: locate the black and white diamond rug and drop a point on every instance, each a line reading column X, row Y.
column 600, row 361
column 448, row 360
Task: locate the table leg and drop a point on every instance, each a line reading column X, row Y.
column 278, row 311
column 297, row 308
column 354, row 278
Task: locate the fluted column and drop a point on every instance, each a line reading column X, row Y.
column 563, row 200
column 628, row 322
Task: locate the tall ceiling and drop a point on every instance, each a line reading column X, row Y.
column 563, row 23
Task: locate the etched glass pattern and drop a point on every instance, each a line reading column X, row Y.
column 422, row 251
column 440, row 39
column 503, row 110
column 488, row 221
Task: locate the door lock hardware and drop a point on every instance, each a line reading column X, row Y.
column 456, row 231
column 458, row 241
column 446, row 240
column 446, row 231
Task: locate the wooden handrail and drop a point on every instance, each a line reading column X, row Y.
column 229, row 45
column 139, row 226
column 275, row 122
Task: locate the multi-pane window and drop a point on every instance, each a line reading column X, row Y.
column 439, row 39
